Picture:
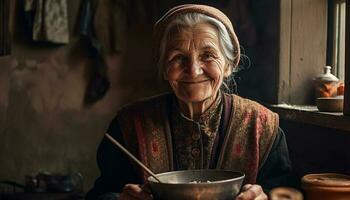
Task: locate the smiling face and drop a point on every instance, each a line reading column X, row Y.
column 194, row 64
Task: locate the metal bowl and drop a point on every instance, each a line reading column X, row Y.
column 197, row 184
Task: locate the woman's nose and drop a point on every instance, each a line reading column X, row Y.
column 194, row 68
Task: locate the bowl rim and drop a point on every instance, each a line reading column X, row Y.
column 241, row 176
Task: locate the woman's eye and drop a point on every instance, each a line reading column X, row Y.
column 207, row 56
column 178, row 57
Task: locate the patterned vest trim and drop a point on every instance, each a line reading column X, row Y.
column 250, row 134
column 146, row 132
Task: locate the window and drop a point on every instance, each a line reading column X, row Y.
column 337, row 37
column 312, row 34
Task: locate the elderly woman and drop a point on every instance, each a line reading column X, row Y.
column 197, row 126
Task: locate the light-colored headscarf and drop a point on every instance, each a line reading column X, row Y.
column 162, row 23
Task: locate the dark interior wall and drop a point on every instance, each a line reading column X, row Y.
column 315, row 149
column 258, row 80
column 44, row 125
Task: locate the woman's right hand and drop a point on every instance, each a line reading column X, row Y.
column 134, row 192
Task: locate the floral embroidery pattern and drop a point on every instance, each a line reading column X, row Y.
column 246, row 149
column 194, row 140
column 155, row 148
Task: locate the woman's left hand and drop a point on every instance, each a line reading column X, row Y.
column 252, row 192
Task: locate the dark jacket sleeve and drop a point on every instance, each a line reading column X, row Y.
column 116, row 169
column 277, row 170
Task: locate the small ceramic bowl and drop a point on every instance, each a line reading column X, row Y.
column 330, row 104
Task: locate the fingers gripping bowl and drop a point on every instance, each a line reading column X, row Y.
column 197, row 185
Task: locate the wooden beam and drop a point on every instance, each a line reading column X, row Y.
column 308, row 48
column 347, row 62
column 285, row 27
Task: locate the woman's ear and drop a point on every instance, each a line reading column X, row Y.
column 228, row 70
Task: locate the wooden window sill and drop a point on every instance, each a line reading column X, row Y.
column 311, row 115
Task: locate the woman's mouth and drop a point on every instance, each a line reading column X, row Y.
column 194, row 81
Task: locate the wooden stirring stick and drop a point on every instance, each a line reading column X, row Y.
column 116, row 143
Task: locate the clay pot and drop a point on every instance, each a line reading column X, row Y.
column 327, row 186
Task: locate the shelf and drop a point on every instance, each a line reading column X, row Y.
column 310, row 115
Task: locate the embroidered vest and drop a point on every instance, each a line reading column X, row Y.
column 249, row 135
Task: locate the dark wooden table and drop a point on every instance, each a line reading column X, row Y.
column 42, row 196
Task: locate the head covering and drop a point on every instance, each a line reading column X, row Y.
column 162, row 23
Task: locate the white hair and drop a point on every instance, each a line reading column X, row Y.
column 190, row 20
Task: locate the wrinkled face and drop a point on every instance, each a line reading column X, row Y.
column 194, row 63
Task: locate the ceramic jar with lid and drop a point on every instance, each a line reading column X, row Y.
column 326, row 186
column 326, row 84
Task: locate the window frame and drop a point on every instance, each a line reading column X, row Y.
column 336, row 37
column 347, row 61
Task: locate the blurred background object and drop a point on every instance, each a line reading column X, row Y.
column 285, row 193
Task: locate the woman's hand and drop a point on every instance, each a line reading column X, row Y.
column 134, row 192
column 252, row 192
